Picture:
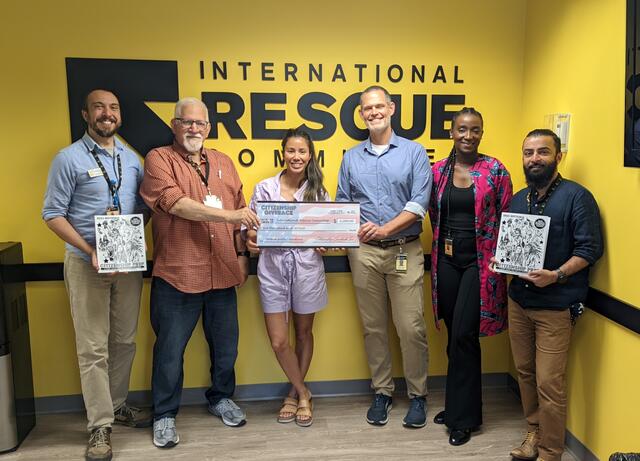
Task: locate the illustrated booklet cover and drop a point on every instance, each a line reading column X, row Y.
column 522, row 243
column 120, row 243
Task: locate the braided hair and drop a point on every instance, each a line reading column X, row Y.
column 447, row 176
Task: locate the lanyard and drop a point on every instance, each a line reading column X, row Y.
column 540, row 205
column 448, row 187
column 203, row 177
column 113, row 186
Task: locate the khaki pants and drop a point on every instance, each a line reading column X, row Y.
column 540, row 344
column 376, row 282
column 105, row 311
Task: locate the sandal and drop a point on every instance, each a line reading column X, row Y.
column 304, row 415
column 288, row 410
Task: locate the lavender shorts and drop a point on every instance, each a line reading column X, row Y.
column 292, row 279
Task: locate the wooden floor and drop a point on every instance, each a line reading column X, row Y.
column 339, row 432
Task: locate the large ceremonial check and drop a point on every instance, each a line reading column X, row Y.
column 308, row 224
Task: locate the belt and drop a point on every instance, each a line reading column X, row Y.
column 386, row 243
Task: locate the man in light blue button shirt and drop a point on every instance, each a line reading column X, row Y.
column 104, row 307
column 390, row 177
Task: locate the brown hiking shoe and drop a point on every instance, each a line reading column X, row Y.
column 529, row 448
column 132, row 417
column 99, row 448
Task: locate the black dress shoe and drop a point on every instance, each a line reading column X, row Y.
column 439, row 418
column 459, row 436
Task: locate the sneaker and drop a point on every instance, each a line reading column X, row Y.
column 529, row 448
column 229, row 412
column 378, row 413
column 165, row 434
column 99, row 447
column 132, row 417
column 417, row 414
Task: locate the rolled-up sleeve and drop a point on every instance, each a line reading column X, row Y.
column 141, row 207
column 61, row 183
column 159, row 188
column 421, row 185
column 239, row 201
column 585, row 220
column 343, row 193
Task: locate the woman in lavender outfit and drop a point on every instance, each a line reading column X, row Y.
column 292, row 278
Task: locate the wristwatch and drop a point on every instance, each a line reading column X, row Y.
column 243, row 253
column 562, row 277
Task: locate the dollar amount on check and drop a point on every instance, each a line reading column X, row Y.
column 308, row 224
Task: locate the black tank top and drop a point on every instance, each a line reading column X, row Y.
column 458, row 218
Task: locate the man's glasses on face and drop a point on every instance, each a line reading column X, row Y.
column 186, row 123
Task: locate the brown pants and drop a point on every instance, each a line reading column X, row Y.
column 105, row 311
column 540, row 343
column 376, row 283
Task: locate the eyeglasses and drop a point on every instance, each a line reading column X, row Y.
column 186, row 123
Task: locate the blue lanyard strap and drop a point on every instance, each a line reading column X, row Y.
column 112, row 184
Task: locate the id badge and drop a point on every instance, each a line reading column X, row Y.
column 213, row 201
column 113, row 211
column 401, row 263
column 448, row 246
column 95, row 172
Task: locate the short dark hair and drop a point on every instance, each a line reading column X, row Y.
column 546, row 132
column 371, row 88
column 85, row 98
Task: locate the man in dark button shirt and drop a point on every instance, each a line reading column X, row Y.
column 539, row 302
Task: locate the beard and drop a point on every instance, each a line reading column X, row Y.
column 541, row 177
column 106, row 133
column 192, row 144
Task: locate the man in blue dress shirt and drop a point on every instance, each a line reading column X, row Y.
column 391, row 179
column 97, row 175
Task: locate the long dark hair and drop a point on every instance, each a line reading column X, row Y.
column 448, row 167
column 315, row 190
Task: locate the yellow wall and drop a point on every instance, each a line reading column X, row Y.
column 571, row 59
column 575, row 62
column 35, row 124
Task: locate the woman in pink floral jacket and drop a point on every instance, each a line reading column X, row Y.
column 470, row 191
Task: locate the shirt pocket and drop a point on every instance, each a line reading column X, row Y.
column 95, row 186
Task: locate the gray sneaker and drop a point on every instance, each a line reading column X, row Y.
column 165, row 434
column 229, row 412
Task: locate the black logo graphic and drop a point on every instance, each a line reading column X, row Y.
column 539, row 223
column 134, row 82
